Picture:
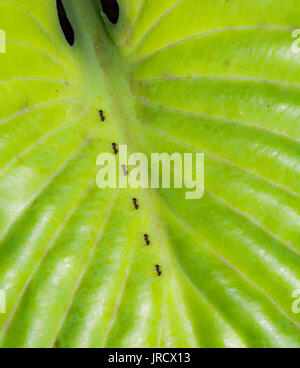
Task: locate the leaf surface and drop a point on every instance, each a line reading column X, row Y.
column 217, row 77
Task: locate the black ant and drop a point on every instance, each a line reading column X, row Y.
column 135, row 202
column 125, row 170
column 115, row 148
column 158, row 270
column 102, row 116
column 147, row 239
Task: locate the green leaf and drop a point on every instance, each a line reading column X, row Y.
column 217, row 77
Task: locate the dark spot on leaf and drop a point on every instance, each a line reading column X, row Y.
column 135, row 203
column 158, row 270
column 65, row 23
column 111, row 9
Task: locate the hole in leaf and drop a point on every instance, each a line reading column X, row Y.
column 111, row 10
column 65, row 23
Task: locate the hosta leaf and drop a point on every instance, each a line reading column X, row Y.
column 217, row 77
